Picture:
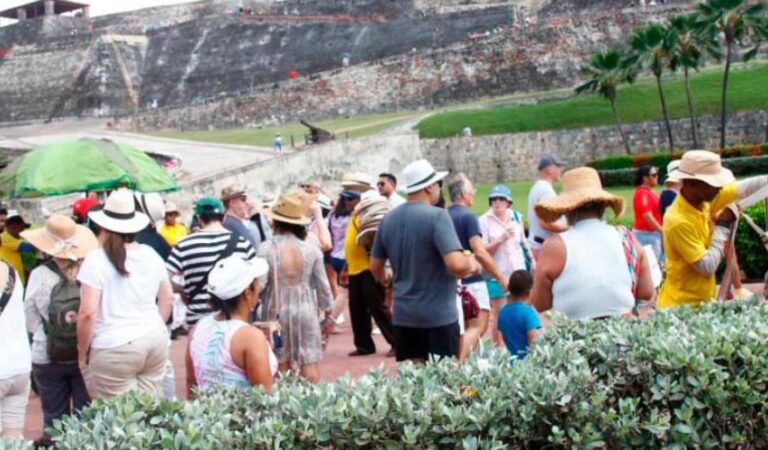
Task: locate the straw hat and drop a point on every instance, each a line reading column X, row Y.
column 307, row 201
column 288, row 209
column 357, row 181
column 62, row 238
column 232, row 191
column 119, row 214
column 580, row 186
column 171, row 207
column 703, row 166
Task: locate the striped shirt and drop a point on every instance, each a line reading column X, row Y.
column 193, row 257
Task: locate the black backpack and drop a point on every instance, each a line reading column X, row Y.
column 61, row 327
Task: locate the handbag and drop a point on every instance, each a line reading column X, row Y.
column 469, row 303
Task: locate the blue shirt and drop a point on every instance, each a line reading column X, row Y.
column 467, row 226
column 666, row 199
column 515, row 321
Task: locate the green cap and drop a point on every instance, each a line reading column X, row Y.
column 209, row 205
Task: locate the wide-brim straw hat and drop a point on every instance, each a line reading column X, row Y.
column 703, row 166
column 357, row 181
column 119, row 214
column 62, row 238
column 288, row 209
column 580, row 187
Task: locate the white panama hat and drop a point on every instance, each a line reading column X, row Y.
column 119, row 214
column 420, row 174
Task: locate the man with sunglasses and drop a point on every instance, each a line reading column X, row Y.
column 235, row 201
column 387, row 186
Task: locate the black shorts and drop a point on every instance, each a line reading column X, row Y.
column 420, row 343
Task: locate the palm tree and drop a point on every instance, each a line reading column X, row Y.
column 737, row 23
column 604, row 74
column 693, row 42
column 652, row 47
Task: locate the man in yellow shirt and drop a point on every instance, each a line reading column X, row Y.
column 693, row 247
column 366, row 295
column 12, row 245
column 172, row 231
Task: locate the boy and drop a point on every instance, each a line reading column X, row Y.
column 518, row 322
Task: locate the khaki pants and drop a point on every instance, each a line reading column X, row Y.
column 14, row 394
column 137, row 365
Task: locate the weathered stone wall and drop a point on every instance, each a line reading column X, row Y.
column 519, row 58
column 490, row 159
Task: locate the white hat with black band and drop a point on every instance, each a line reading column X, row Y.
column 420, row 174
column 119, row 214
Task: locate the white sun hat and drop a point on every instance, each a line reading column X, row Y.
column 232, row 275
column 420, row 174
column 151, row 204
column 119, row 214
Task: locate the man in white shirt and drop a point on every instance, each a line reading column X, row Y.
column 387, row 186
column 550, row 169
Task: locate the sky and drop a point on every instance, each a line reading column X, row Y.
column 101, row 7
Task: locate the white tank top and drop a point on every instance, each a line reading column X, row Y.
column 595, row 281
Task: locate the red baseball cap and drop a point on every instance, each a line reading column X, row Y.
column 81, row 207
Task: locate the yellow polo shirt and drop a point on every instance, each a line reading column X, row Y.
column 174, row 234
column 358, row 260
column 687, row 236
column 9, row 252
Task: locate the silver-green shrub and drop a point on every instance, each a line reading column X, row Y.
column 681, row 379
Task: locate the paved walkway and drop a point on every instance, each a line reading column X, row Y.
column 335, row 364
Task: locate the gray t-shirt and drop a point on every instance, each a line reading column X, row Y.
column 414, row 237
column 541, row 190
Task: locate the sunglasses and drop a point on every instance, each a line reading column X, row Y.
column 653, row 174
column 381, row 184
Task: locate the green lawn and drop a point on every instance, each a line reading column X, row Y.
column 636, row 103
column 353, row 127
column 520, row 198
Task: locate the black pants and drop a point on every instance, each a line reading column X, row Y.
column 366, row 300
column 62, row 390
column 422, row 343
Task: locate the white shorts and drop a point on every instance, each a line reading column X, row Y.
column 480, row 290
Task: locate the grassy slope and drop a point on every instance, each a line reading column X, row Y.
column 353, row 127
column 636, row 103
column 520, row 197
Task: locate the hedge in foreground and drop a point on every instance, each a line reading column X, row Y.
column 677, row 379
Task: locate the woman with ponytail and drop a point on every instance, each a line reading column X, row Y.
column 224, row 349
column 125, row 299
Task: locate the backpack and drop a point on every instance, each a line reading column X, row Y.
column 61, row 327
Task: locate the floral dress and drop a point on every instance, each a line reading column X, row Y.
column 297, row 290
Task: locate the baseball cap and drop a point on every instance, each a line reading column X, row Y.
column 549, row 159
column 233, row 274
column 16, row 219
column 501, row 191
column 209, row 205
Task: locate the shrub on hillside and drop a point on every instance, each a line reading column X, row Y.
column 661, row 160
column 612, row 162
column 677, row 379
column 753, row 257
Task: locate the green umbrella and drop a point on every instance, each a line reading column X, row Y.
column 81, row 166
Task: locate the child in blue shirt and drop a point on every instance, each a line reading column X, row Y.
column 518, row 322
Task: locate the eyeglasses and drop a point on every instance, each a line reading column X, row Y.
column 499, row 199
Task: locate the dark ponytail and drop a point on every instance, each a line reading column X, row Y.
column 114, row 247
column 225, row 306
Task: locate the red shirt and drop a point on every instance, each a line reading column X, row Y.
column 645, row 200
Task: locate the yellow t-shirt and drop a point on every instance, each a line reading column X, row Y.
column 174, row 234
column 9, row 252
column 358, row 260
column 687, row 236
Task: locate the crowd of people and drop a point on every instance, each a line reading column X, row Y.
column 261, row 286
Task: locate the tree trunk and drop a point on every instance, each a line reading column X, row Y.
column 664, row 113
column 618, row 125
column 724, row 102
column 691, row 110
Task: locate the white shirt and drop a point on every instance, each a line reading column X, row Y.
column 37, row 300
column 509, row 256
column 396, row 200
column 541, row 190
column 595, row 281
column 128, row 304
column 15, row 355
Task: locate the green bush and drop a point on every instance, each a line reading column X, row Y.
column 765, row 148
column 752, row 165
column 617, row 177
column 678, row 379
column 753, row 257
column 612, row 162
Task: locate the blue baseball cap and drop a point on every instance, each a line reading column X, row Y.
column 549, row 159
column 501, row 191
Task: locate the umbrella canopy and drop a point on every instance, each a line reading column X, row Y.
column 81, row 166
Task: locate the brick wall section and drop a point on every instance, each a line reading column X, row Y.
column 517, row 58
column 491, row 159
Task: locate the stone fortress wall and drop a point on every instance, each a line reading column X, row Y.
column 407, row 53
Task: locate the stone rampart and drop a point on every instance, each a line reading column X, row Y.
column 491, row 159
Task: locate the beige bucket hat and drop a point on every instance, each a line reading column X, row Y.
column 580, row 186
column 62, row 238
column 703, row 166
column 288, row 209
